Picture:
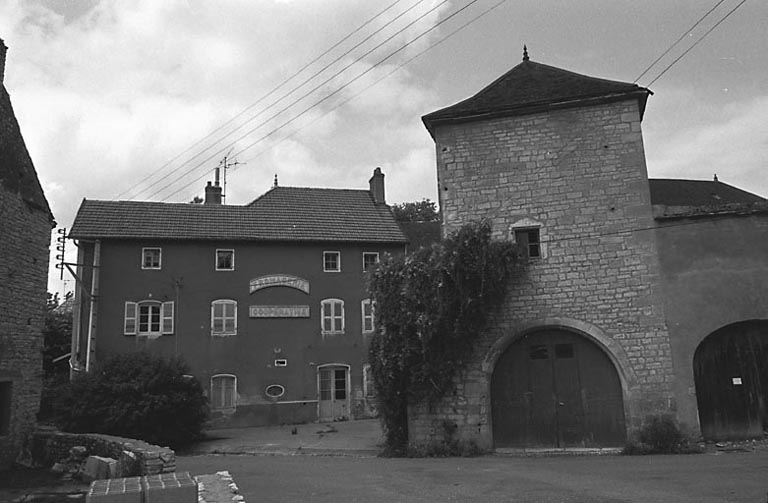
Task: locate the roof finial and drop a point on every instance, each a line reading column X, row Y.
column 715, row 176
column 525, row 53
column 275, row 185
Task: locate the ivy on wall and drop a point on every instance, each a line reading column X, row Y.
column 431, row 306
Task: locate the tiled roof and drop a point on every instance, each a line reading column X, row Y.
column 672, row 192
column 533, row 87
column 282, row 214
column 17, row 173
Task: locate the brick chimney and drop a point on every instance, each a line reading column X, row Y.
column 3, row 50
column 376, row 184
column 212, row 194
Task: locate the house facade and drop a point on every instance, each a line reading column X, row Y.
column 595, row 333
column 25, row 226
column 267, row 302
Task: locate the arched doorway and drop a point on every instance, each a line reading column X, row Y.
column 555, row 388
column 730, row 370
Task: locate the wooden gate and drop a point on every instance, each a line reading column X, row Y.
column 731, row 376
column 555, row 388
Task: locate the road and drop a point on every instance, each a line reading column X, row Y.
column 702, row 478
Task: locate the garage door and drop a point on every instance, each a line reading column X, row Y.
column 731, row 376
column 555, row 388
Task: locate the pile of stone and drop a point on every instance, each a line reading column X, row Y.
column 79, row 465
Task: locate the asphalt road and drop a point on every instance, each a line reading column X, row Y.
column 702, row 478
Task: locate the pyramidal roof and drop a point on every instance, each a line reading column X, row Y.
column 532, row 87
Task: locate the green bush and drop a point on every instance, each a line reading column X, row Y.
column 136, row 395
column 660, row 435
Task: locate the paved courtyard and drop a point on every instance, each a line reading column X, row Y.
column 702, row 478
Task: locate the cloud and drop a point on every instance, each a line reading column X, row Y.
column 735, row 146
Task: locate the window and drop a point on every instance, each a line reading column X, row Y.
column 370, row 259
column 369, row 388
column 150, row 258
column 275, row 390
column 225, row 260
column 6, row 388
column 367, row 308
column 281, row 363
column 332, row 316
column 148, row 317
column 331, row 261
column 528, row 240
column 223, row 317
column 223, row 391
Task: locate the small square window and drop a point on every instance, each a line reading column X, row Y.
column 331, row 261
column 151, row 258
column 225, row 260
column 281, row 363
column 529, row 242
column 370, row 259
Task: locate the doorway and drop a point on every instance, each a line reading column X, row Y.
column 555, row 388
column 333, row 392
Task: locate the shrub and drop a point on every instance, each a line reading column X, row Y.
column 136, row 395
column 431, row 307
column 660, row 435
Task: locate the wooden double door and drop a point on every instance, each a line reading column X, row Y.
column 555, row 388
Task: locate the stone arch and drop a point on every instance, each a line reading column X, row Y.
column 613, row 355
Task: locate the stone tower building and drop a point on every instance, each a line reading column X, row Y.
column 25, row 233
column 580, row 353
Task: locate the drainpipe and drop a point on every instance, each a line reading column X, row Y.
column 94, row 305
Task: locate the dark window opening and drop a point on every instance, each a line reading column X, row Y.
column 529, row 242
column 5, row 408
column 538, row 352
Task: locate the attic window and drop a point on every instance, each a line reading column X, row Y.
column 331, row 261
column 151, row 258
column 225, row 260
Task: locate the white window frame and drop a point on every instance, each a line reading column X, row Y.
column 216, row 258
column 368, row 317
column 222, row 392
column 338, row 261
column 132, row 324
column 328, row 311
column 369, row 390
column 145, row 251
column 376, row 254
column 223, row 317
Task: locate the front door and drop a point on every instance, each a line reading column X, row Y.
column 556, row 389
column 333, row 393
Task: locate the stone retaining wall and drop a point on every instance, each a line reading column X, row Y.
column 136, row 457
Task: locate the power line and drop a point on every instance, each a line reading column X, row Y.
column 697, row 42
column 339, row 89
column 252, row 105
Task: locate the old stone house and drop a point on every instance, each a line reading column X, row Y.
column 267, row 302
column 25, row 227
column 626, row 282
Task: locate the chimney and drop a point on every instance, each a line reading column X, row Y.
column 376, row 184
column 3, row 50
column 212, row 194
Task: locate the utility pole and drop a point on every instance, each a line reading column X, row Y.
column 226, row 164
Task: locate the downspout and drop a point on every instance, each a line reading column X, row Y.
column 94, row 305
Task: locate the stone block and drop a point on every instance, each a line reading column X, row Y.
column 98, row 468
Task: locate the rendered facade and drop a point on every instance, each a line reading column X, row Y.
column 601, row 326
column 267, row 302
column 25, row 226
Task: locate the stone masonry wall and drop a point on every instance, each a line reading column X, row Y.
column 580, row 175
column 26, row 234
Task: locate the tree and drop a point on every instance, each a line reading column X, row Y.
column 135, row 395
column 57, row 334
column 421, row 211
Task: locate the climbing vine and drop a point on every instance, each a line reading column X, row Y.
column 431, row 306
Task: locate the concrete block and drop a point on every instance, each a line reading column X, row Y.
column 169, row 488
column 125, row 490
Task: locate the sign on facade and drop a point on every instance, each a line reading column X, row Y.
column 280, row 280
column 279, row 311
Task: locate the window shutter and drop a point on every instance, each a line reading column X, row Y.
column 166, row 317
column 129, row 326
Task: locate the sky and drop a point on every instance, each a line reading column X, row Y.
column 142, row 99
